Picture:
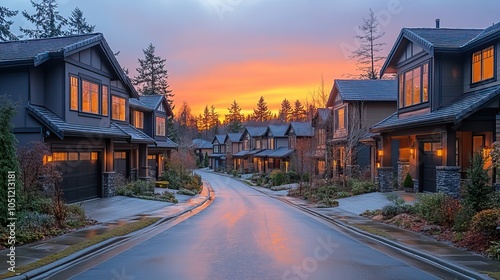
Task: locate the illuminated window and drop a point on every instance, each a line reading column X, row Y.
column 84, row 156
column 118, row 108
column 120, row 155
column 414, row 86
column 73, row 93
column 160, row 126
column 90, row 97
column 93, row 156
column 60, row 156
column 151, row 156
column 105, row 98
column 73, row 156
column 483, row 65
column 340, row 118
column 138, row 119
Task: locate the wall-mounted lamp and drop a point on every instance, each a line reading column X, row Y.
column 486, row 152
column 412, row 152
column 378, row 164
column 47, row 159
column 439, row 152
column 380, row 153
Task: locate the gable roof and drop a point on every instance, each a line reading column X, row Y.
column 256, row 131
column 234, row 137
column 220, row 138
column 459, row 109
column 321, row 117
column 153, row 101
column 37, row 51
column 277, row 130
column 440, row 40
column 201, row 144
column 301, row 129
column 364, row 90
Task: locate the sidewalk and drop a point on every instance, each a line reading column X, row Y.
column 111, row 213
column 347, row 215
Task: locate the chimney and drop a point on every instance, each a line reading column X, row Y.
column 437, row 23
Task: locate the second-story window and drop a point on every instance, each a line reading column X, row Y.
column 270, row 145
column 118, row 108
column 483, row 65
column 340, row 119
column 88, row 96
column 216, row 149
column 73, row 93
column 105, row 97
column 160, row 126
column 138, row 119
column 246, row 143
column 414, row 86
column 257, row 144
column 321, row 137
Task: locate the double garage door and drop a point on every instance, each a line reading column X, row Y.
column 81, row 173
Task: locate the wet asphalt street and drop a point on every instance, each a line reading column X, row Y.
column 245, row 234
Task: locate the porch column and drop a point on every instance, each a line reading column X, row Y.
column 108, row 156
column 143, row 162
column 448, row 180
column 386, row 147
column 449, row 148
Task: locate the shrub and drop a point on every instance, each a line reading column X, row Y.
column 463, row 218
column 476, row 190
column 486, row 222
column 493, row 200
column 168, row 197
column 408, row 182
column 360, row 186
column 429, row 206
column 29, row 221
column 293, row 177
column 277, row 177
column 494, row 250
column 396, row 207
column 173, row 179
column 76, row 216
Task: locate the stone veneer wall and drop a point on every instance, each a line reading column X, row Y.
column 108, row 184
column 415, row 185
column 448, row 180
column 133, row 174
column 403, row 169
column 385, row 178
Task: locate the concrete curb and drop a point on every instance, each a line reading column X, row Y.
column 457, row 269
column 114, row 241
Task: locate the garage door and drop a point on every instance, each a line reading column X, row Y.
column 81, row 173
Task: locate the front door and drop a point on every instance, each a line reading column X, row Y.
column 429, row 160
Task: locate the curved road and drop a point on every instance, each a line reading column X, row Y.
column 245, row 234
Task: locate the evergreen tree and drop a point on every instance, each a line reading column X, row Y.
column 262, row 113
column 214, row 120
column 298, row 113
column 9, row 166
column 77, row 25
column 366, row 54
column 285, row 113
column 234, row 120
column 152, row 76
column 5, row 34
column 47, row 20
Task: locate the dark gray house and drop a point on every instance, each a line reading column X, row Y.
column 252, row 143
column 276, row 152
column 322, row 123
column 448, row 102
column 218, row 156
column 73, row 95
column 233, row 145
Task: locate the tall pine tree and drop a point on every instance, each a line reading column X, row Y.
column 285, row 113
column 298, row 113
column 47, row 20
column 234, row 120
column 262, row 113
column 5, row 34
column 77, row 24
column 152, row 76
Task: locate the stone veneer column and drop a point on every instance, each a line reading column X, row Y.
column 108, row 184
column 415, row 185
column 133, row 174
column 403, row 169
column 385, row 178
column 448, row 180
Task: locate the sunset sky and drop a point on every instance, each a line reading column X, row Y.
column 218, row 51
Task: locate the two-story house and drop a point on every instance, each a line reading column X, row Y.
column 201, row 148
column 322, row 122
column 277, row 148
column 73, row 95
column 218, row 156
column 448, row 102
column 252, row 143
column 149, row 113
column 356, row 106
column 233, row 146
column 301, row 146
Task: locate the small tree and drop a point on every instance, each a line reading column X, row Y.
column 366, row 54
column 476, row 190
column 205, row 160
column 408, row 183
column 234, row 120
